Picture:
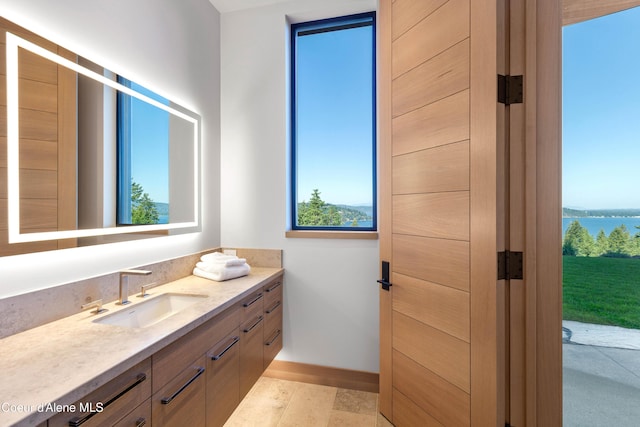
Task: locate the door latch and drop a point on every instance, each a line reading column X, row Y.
column 385, row 276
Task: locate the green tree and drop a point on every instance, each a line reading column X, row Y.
column 619, row 242
column 143, row 209
column 577, row 241
column 602, row 244
column 317, row 212
column 354, row 223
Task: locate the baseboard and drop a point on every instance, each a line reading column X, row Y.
column 323, row 375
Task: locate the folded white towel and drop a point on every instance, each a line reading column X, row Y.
column 216, row 256
column 224, row 274
column 212, row 267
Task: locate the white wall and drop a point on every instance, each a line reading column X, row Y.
column 173, row 48
column 331, row 312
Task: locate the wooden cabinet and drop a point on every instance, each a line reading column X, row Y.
column 199, row 379
column 273, row 305
column 251, row 337
column 181, row 402
column 119, row 399
column 223, row 379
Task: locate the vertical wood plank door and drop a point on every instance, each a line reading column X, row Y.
column 438, row 127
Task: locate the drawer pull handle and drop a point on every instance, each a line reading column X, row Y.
column 273, row 288
column 271, row 310
column 141, row 422
column 275, row 337
column 234, row 341
column 259, row 319
column 167, row 400
column 247, row 304
column 78, row 421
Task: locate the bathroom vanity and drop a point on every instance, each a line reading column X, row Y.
column 191, row 368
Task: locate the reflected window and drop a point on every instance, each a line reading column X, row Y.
column 143, row 158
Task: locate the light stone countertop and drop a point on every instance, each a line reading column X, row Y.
column 62, row 361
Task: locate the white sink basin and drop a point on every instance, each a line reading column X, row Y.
column 151, row 311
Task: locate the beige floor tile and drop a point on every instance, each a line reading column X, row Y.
column 351, row 419
column 273, row 388
column 309, row 406
column 360, row 402
column 382, row 421
column 255, row 411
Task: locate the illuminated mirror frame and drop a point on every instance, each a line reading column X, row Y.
column 14, row 42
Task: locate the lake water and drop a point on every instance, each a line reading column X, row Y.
column 594, row 225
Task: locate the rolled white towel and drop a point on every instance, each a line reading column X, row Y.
column 224, row 274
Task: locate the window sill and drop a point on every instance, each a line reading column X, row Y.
column 318, row 234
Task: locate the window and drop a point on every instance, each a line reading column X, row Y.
column 333, row 124
column 143, row 158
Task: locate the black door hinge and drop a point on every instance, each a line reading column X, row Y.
column 510, row 89
column 510, row 265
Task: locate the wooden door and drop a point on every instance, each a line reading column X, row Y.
column 441, row 324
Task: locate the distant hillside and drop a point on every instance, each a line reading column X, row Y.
column 600, row 213
column 163, row 208
column 361, row 213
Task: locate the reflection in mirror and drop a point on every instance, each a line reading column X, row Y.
column 91, row 157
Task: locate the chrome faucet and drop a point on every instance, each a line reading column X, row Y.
column 124, row 283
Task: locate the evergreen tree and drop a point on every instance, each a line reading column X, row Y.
column 602, row 244
column 143, row 210
column 317, row 212
column 619, row 242
column 577, row 241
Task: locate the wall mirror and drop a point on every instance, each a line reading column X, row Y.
column 86, row 155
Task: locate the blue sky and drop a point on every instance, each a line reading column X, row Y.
column 334, row 129
column 601, row 112
column 150, row 146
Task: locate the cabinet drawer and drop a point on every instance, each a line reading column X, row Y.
column 223, row 379
column 251, row 357
column 181, row 402
column 272, row 345
column 273, row 292
column 272, row 318
column 139, row 417
column 251, row 306
column 169, row 361
column 114, row 399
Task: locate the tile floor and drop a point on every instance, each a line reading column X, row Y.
column 274, row 402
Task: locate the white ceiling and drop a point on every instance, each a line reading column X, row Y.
column 224, row 6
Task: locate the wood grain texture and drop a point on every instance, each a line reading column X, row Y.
column 441, row 76
column 38, row 214
column 408, row 414
column 439, row 123
column 441, row 215
column 385, row 202
column 41, row 125
column 485, row 406
column 444, row 355
column 38, row 184
column 442, row 29
column 574, row 11
column 407, row 13
column 438, row 169
column 441, row 261
column 39, row 96
column 445, row 402
column 441, row 307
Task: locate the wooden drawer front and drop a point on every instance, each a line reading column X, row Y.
column 141, row 416
column 273, row 292
column 251, row 358
column 272, row 318
column 251, row 306
column 168, row 362
column 182, row 401
column 115, row 399
column 272, row 346
column 223, row 379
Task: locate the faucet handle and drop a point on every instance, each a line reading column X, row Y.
column 96, row 303
column 145, row 288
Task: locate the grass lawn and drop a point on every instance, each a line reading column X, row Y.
column 605, row 291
